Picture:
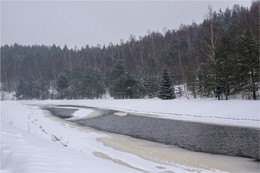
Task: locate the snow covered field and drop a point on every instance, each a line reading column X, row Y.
column 231, row 112
column 33, row 141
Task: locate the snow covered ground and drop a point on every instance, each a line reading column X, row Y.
column 231, row 112
column 33, row 141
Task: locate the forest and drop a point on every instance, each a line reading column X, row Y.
column 216, row 58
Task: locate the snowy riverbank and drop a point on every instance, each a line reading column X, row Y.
column 231, row 112
column 32, row 141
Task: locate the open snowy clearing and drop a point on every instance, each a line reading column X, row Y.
column 34, row 141
column 231, row 112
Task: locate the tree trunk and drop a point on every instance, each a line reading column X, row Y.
column 226, row 96
column 253, row 84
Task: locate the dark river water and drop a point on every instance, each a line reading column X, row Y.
column 202, row 137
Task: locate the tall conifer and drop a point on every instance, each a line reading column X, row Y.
column 167, row 92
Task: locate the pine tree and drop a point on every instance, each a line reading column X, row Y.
column 167, row 92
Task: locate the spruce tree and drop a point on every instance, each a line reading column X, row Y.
column 167, row 92
column 76, row 81
column 44, row 93
column 63, row 80
column 225, row 67
column 92, row 85
column 64, row 84
column 249, row 60
column 151, row 85
column 21, row 90
column 192, row 83
column 125, row 87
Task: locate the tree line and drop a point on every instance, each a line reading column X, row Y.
column 216, row 58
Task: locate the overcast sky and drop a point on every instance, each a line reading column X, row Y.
column 82, row 22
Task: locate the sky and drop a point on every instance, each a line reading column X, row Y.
column 78, row 23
